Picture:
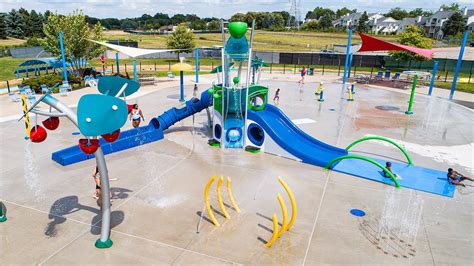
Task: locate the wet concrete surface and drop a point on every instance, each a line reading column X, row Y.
column 158, row 191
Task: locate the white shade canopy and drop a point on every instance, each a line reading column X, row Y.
column 133, row 52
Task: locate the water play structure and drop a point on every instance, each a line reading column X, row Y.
column 240, row 117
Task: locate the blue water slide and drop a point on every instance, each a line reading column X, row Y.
column 292, row 139
column 138, row 136
column 310, row 150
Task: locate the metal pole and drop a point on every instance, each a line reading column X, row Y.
column 104, row 241
column 135, row 69
column 8, row 83
column 458, row 65
column 181, row 86
column 350, row 66
column 412, row 96
column 117, row 62
column 348, row 50
column 433, row 77
column 197, row 65
column 61, row 44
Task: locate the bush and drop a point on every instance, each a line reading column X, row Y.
column 49, row 80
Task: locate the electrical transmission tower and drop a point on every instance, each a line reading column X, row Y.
column 294, row 18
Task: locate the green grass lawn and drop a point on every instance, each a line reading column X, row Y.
column 8, row 42
column 264, row 40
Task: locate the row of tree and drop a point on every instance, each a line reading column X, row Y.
column 22, row 24
column 147, row 22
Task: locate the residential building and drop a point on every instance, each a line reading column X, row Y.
column 352, row 20
column 434, row 24
column 420, row 20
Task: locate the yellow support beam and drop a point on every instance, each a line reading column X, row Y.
column 206, row 200
column 275, row 232
column 292, row 200
column 231, row 197
column 285, row 215
column 219, row 198
column 24, row 103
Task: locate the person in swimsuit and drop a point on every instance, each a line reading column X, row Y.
column 98, row 189
column 456, row 178
column 276, row 98
column 96, row 176
column 303, row 73
column 195, row 90
column 388, row 165
column 136, row 115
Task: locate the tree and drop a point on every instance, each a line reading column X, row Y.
column 455, row 24
column 419, row 12
column 325, row 22
column 36, row 24
column 344, row 11
column 27, row 27
column 319, row 12
column 214, row 25
column 15, row 24
column 312, row 25
column 238, row 17
column 129, row 24
column 273, row 21
column 76, row 36
column 178, row 19
column 3, row 27
column 362, row 26
column 397, row 13
column 452, row 7
column 411, row 36
column 181, row 38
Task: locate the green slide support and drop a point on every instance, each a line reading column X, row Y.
column 410, row 162
column 387, row 172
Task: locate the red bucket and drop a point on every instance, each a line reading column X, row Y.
column 51, row 123
column 38, row 134
column 111, row 137
column 89, row 146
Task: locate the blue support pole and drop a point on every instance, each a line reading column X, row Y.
column 181, row 84
column 350, row 65
column 197, row 65
column 458, row 65
column 433, row 77
column 135, row 69
column 117, row 63
column 61, row 44
column 348, row 51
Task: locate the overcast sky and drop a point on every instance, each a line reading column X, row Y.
column 211, row 8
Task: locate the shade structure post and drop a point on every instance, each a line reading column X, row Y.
column 197, row 65
column 117, row 63
column 63, row 58
column 458, row 65
column 181, row 86
column 433, row 77
column 135, row 69
column 350, row 65
column 348, row 50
